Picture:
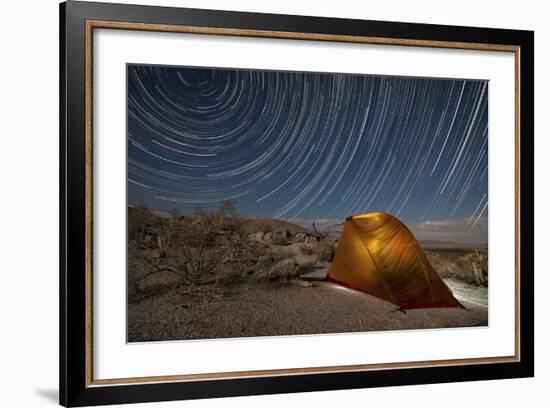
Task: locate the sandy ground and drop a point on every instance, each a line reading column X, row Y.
column 281, row 308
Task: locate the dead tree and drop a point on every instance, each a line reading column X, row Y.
column 321, row 235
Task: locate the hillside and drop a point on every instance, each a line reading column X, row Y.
column 253, row 225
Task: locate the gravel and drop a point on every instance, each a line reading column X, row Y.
column 282, row 308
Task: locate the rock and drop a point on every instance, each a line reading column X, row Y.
column 304, row 283
column 280, row 236
column 189, row 267
column 310, row 240
column 326, row 254
column 285, row 270
column 259, row 236
column 268, row 236
column 284, row 233
column 300, row 237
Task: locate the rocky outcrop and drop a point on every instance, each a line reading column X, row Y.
column 268, row 269
column 287, row 269
column 276, row 237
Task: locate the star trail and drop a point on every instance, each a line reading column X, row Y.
column 303, row 146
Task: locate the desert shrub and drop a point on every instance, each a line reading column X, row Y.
column 203, row 248
column 479, row 264
column 140, row 222
column 470, row 268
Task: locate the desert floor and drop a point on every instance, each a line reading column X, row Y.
column 292, row 308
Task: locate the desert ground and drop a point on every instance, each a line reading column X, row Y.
column 217, row 275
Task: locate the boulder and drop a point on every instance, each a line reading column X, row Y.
column 310, row 240
column 261, row 266
column 284, row 233
column 304, row 283
column 280, row 236
column 326, row 254
column 285, row 270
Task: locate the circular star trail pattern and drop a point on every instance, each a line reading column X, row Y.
column 307, row 145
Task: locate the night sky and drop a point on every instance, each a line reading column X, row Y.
column 311, row 146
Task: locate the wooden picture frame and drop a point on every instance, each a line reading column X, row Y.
column 78, row 20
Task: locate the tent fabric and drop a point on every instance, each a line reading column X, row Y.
column 377, row 254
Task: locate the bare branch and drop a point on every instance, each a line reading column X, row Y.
column 331, row 227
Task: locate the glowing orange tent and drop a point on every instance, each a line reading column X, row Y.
column 377, row 254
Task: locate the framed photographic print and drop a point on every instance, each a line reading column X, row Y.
column 255, row 203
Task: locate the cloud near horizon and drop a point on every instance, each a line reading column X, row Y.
column 462, row 230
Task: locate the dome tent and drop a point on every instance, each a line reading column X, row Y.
column 377, row 254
